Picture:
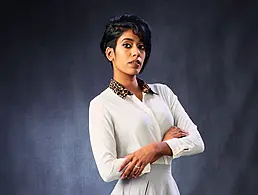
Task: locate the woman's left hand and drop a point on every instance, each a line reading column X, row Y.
column 138, row 160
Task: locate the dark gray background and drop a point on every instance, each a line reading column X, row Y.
column 206, row 51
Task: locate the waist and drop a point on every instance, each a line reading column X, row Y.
column 160, row 168
column 160, row 173
column 164, row 160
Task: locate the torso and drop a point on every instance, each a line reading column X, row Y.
column 137, row 123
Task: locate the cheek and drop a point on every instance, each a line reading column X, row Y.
column 143, row 55
column 122, row 55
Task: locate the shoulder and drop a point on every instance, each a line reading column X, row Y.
column 164, row 92
column 161, row 89
column 101, row 99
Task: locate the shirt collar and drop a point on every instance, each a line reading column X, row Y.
column 122, row 92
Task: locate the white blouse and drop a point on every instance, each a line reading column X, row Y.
column 119, row 126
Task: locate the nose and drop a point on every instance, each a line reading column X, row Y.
column 135, row 51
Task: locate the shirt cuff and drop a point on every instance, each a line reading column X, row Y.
column 176, row 147
column 146, row 169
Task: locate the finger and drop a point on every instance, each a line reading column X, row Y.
column 135, row 170
column 182, row 134
column 181, row 130
column 128, row 169
column 176, row 133
column 186, row 132
column 127, row 160
column 139, row 171
column 174, row 129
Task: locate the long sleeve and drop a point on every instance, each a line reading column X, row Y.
column 103, row 143
column 191, row 144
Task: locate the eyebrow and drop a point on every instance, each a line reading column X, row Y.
column 130, row 39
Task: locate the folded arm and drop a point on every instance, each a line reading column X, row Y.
column 103, row 143
column 191, row 144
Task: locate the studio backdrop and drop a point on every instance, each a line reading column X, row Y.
column 205, row 51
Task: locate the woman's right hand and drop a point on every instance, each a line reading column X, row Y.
column 174, row 132
column 147, row 154
column 139, row 159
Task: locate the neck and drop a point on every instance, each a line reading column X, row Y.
column 128, row 81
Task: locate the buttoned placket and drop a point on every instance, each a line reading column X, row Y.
column 148, row 111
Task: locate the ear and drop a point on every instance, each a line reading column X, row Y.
column 109, row 53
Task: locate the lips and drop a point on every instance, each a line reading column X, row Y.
column 135, row 62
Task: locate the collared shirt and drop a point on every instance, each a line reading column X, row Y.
column 119, row 124
column 121, row 91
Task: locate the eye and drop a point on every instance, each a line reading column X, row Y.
column 127, row 45
column 141, row 47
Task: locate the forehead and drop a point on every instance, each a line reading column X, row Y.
column 127, row 35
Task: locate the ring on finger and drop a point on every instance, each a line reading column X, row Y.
column 137, row 168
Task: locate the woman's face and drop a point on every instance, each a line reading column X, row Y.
column 129, row 54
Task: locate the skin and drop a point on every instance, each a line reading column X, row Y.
column 129, row 49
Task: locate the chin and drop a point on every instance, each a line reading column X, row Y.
column 133, row 72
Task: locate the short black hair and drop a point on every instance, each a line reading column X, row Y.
column 118, row 25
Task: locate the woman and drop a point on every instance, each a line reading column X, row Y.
column 136, row 129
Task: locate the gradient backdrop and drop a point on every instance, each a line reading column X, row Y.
column 206, row 51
